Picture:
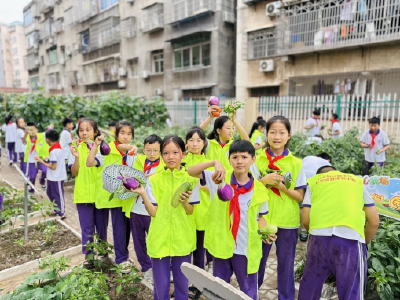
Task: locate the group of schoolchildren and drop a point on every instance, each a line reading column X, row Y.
column 203, row 229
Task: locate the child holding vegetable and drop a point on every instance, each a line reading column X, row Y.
column 284, row 201
column 92, row 220
column 375, row 143
column 36, row 147
column 110, row 154
column 66, row 139
column 233, row 220
column 20, row 147
column 172, row 234
column 257, row 135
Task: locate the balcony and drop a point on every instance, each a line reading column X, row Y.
column 46, row 5
column 54, row 82
column 331, row 24
column 153, row 18
column 82, row 10
column 128, row 28
column 31, row 62
column 101, row 71
column 186, row 9
column 47, row 28
column 104, row 33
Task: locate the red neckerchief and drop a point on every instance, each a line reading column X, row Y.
column 120, row 152
column 335, row 121
column 78, row 143
column 55, row 146
column 33, row 140
column 316, row 120
column 272, row 166
column 10, row 123
column 222, row 145
column 373, row 135
column 150, row 164
column 235, row 208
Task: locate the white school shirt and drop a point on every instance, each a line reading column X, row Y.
column 19, row 145
column 11, row 132
column 241, row 246
column 60, row 173
column 311, row 164
column 0, row 137
column 336, row 126
column 31, row 156
column 381, row 140
column 315, row 130
column 340, row 231
column 258, row 140
column 65, row 140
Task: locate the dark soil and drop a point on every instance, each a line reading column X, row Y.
column 13, row 254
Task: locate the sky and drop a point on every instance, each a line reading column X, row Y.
column 11, row 10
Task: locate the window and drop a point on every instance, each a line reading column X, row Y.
column 13, row 40
column 42, row 59
column 15, row 62
column 262, row 43
column 133, row 68
column 265, row 91
column 104, row 4
column 198, row 94
column 14, row 51
column 192, row 52
column 85, row 41
column 158, row 62
column 28, row 19
column 53, row 59
column 34, row 83
column 17, row 73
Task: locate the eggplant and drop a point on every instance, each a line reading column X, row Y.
column 287, row 180
column 129, row 182
column 90, row 145
column 213, row 101
column 104, row 148
column 225, row 192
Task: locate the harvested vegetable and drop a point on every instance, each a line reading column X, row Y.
column 287, row 180
column 184, row 188
column 104, row 148
column 231, row 108
column 225, row 192
column 129, row 182
column 89, row 144
column 266, row 231
column 213, row 100
column 215, row 180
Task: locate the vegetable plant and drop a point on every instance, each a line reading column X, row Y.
column 99, row 249
column 126, row 281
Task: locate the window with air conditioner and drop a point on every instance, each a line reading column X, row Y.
column 262, row 43
column 192, row 52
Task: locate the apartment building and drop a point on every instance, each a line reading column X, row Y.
column 318, row 47
column 12, row 52
column 177, row 49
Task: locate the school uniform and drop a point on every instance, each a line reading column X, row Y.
column 217, row 151
column 231, row 231
column 378, row 141
column 257, row 139
column 337, row 239
column 1, row 202
column 285, row 214
column 65, row 140
column 172, row 233
column 35, row 147
column 120, row 223
column 10, row 130
column 316, row 129
column 335, row 127
column 20, row 148
column 56, row 178
column 92, row 220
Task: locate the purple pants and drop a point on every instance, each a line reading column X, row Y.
column 22, row 163
column 161, row 276
column 55, row 192
column 369, row 165
column 32, row 171
column 346, row 259
column 121, row 234
column 140, row 227
column 11, row 151
column 1, row 202
column 200, row 252
column 285, row 251
column 224, row 268
column 92, row 220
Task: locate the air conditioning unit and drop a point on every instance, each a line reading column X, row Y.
column 130, row 1
column 229, row 17
column 145, row 74
column 51, row 40
column 36, row 46
column 62, row 61
column 273, row 8
column 121, row 84
column 77, row 47
column 158, row 92
column 36, row 62
column 267, row 65
column 122, row 72
column 68, row 52
column 59, row 87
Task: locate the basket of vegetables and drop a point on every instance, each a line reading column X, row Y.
column 118, row 177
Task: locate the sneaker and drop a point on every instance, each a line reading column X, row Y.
column 210, row 267
column 63, row 217
column 2, row 221
column 303, row 235
column 43, row 187
column 126, row 267
column 148, row 276
column 11, row 163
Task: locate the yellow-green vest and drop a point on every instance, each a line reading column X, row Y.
column 283, row 212
column 41, row 147
column 200, row 210
column 337, row 200
column 218, row 238
column 172, row 232
column 253, row 139
column 216, row 152
column 138, row 165
column 86, row 182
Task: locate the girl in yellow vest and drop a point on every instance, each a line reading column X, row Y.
column 92, row 220
column 257, row 136
column 231, row 231
column 172, row 234
column 283, row 203
column 120, row 223
column 221, row 137
column 36, row 146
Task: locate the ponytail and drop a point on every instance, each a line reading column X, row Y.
column 219, row 123
column 213, row 135
column 253, row 128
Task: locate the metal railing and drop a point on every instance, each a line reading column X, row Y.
column 128, row 27
column 153, row 18
column 104, row 33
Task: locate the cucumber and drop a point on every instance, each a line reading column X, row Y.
column 184, row 188
column 267, row 230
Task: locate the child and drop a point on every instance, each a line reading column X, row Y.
column 335, row 208
column 257, row 136
column 120, row 223
column 233, row 240
column 221, row 137
column 2, row 221
column 20, row 147
column 112, row 127
column 313, row 125
column 172, row 233
column 91, row 219
column 375, row 142
column 56, row 173
column 66, row 139
column 150, row 163
column 35, row 147
column 283, row 203
column 336, row 131
column 10, row 130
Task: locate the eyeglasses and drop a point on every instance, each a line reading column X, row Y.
column 152, row 151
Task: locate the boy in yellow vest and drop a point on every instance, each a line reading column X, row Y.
column 36, row 147
column 334, row 211
column 231, row 230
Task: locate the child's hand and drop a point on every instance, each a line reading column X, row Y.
column 133, row 151
column 271, row 239
column 185, row 197
column 74, row 151
column 272, row 179
column 219, row 173
column 98, row 140
column 139, row 190
column 280, row 186
column 378, row 151
column 211, row 109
